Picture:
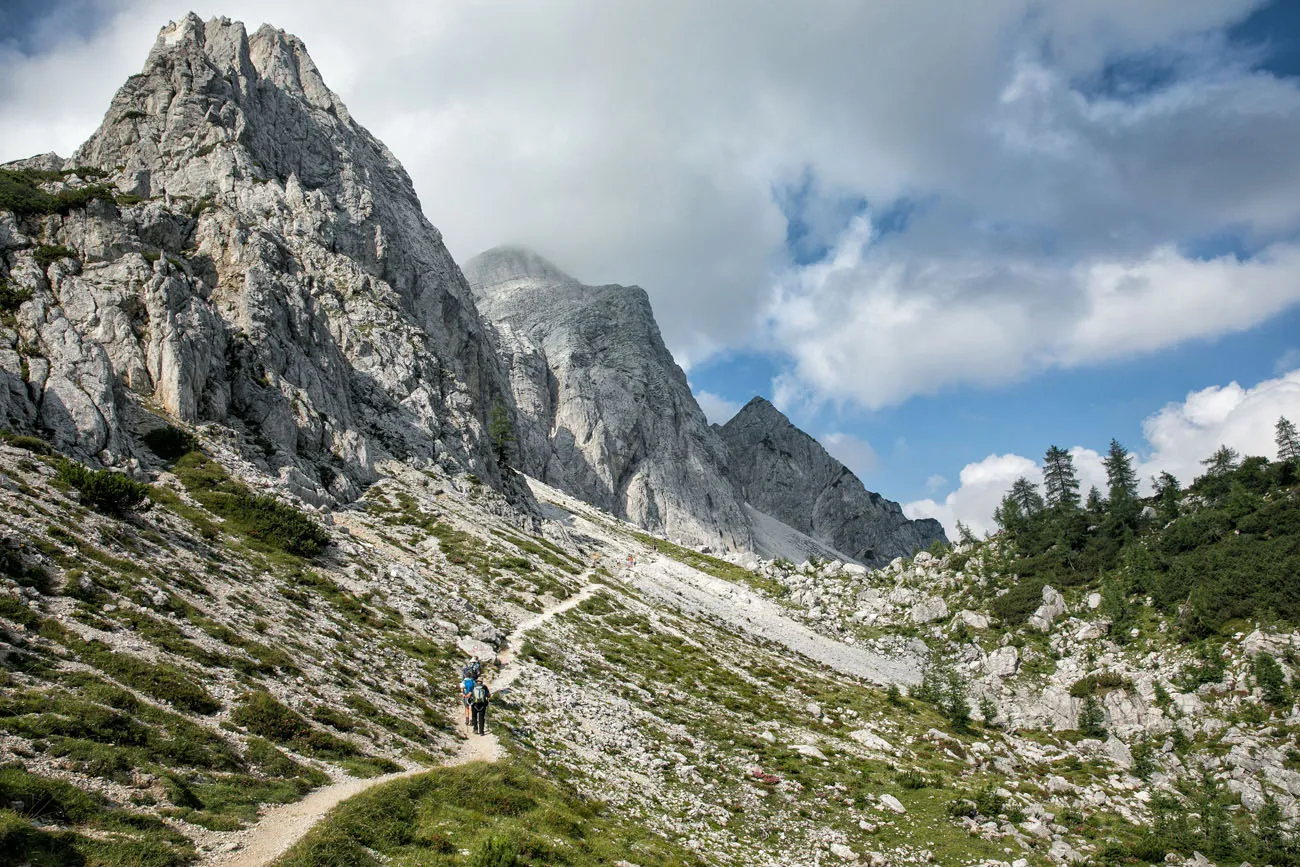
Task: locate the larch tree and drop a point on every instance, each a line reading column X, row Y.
column 1288, row 440
column 1060, row 480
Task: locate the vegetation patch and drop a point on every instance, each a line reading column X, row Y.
column 103, row 490
column 259, row 517
column 501, row 814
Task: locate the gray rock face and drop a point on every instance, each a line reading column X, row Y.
column 603, row 411
column 271, row 270
column 785, row 473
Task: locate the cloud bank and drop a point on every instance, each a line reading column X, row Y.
column 986, row 189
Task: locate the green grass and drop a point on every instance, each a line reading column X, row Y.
column 116, row 837
column 263, row 715
column 502, row 814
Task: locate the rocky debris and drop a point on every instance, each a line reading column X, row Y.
column 1045, row 615
column 892, row 804
column 785, row 473
column 603, row 412
column 928, row 610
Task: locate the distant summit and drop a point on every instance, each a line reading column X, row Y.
column 785, row 473
column 604, row 412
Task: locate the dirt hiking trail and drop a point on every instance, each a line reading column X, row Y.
column 282, row 826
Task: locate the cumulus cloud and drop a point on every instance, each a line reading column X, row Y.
column 650, row 142
column 717, row 409
column 1178, row 437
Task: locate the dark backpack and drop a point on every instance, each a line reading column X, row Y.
column 480, row 694
column 475, row 669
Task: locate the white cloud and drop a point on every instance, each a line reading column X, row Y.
column 935, row 482
column 918, row 326
column 982, row 487
column 642, row 141
column 854, row 452
column 1178, row 438
column 717, row 409
column 1181, row 435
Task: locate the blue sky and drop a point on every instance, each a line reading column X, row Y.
column 940, row 235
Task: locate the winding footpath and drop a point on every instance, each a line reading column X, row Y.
column 282, row 826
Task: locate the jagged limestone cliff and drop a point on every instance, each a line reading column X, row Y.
column 783, row 472
column 266, row 265
column 604, row 412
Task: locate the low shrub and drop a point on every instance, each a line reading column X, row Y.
column 103, row 490
column 1098, row 684
column 47, row 254
column 257, row 516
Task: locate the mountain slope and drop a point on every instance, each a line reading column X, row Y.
column 604, row 412
column 786, row 474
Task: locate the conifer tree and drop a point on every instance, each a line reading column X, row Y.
column 1094, row 502
column 1120, row 476
column 1288, row 440
column 1060, row 480
column 1009, row 515
column 1026, row 495
column 502, row 433
column 1222, row 462
column 1167, row 493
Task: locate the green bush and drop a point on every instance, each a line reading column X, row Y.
column 47, row 254
column 31, row 444
column 23, row 843
column 170, row 442
column 20, row 193
column 1270, row 679
column 160, row 680
column 496, row 852
column 1100, row 683
column 1023, row 599
column 12, row 297
column 263, row 715
column 103, row 490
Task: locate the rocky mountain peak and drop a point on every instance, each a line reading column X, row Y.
column 604, row 412
column 267, row 266
column 507, row 265
column 786, row 474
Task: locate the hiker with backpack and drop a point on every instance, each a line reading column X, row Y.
column 467, row 688
column 478, row 699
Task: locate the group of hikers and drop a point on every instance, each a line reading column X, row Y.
column 476, row 695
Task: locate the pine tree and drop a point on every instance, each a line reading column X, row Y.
column 1120, row 475
column 1167, row 494
column 1009, row 515
column 1094, row 502
column 502, row 433
column 1060, row 480
column 1288, row 440
column 1026, row 495
column 964, row 534
column 1222, row 462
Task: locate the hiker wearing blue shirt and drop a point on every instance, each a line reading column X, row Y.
column 467, row 693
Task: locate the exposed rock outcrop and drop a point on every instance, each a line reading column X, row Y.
column 785, row 473
column 604, row 413
column 267, row 265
